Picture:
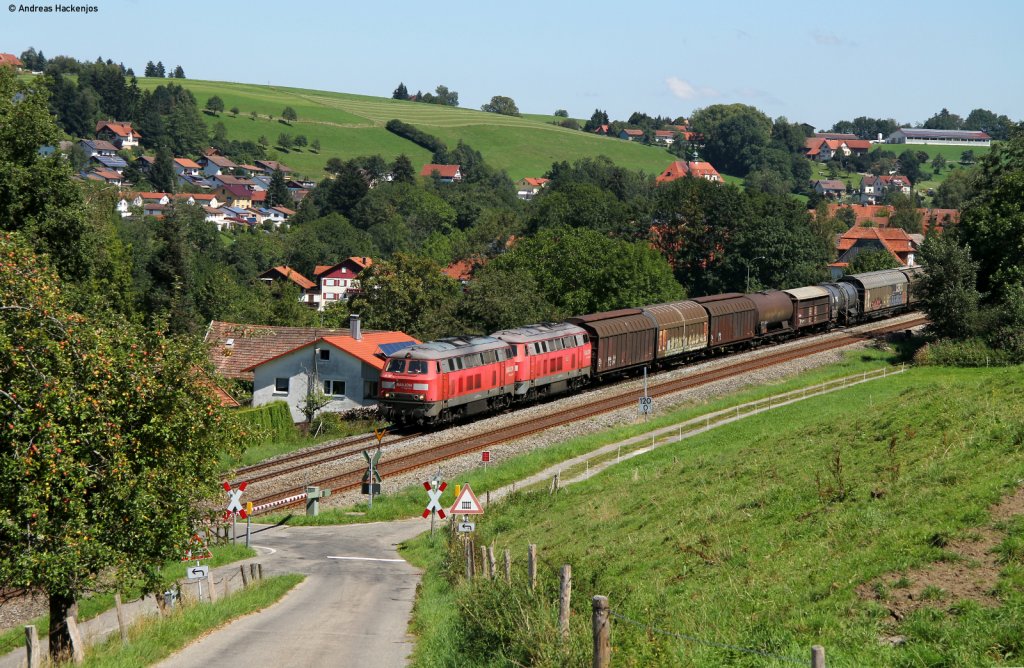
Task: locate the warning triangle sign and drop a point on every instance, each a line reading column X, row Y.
column 197, row 550
column 467, row 503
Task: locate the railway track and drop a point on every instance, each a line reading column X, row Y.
column 350, row 480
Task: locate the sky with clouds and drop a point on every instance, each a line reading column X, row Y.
column 812, row 62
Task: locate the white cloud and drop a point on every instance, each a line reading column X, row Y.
column 830, row 39
column 684, row 90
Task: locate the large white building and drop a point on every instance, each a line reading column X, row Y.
column 952, row 137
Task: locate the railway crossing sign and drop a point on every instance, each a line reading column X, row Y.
column 235, row 500
column 371, row 479
column 196, row 572
column 434, row 491
column 466, row 503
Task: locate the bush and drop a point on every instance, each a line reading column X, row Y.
column 416, row 136
column 272, row 422
column 967, row 353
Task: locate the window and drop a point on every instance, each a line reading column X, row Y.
column 325, row 353
column 396, row 366
column 370, row 389
column 334, row 388
column 489, row 357
column 281, row 385
column 513, row 351
column 417, row 366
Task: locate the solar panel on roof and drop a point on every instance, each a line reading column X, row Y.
column 391, row 348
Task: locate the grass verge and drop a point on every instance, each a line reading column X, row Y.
column 100, row 603
column 757, row 535
column 409, row 501
column 154, row 638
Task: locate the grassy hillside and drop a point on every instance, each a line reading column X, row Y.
column 799, row 527
column 352, row 125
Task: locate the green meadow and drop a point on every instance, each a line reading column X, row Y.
column 785, row 530
column 353, row 125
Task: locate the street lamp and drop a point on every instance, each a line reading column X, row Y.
column 759, row 257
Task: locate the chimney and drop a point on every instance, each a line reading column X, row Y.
column 354, row 327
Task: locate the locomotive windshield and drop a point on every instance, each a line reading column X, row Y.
column 396, row 366
column 417, row 366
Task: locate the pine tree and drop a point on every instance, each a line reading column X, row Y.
column 179, row 73
column 400, row 93
column 402, row 170
column 161, row 175
column 277, row 192
column 160, row 71
column 150, row 69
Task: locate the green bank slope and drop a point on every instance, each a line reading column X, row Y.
column 353, row 125
column 808, row 525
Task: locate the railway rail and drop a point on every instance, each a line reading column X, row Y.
column 352, row 479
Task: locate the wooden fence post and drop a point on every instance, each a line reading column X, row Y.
column 259, row 570
column 212, row 587
column 252, row 572
column 602, row 647
column 491, row 570
column 32, row 646
column 564, row 601
column 817, row 656
column 77, row 646
column 469, row 560
column 245, row 578
column 508, row 566
column 531, row 565
column 122, row 627
column 484, row 563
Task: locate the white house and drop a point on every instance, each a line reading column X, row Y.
column 215, row 164
column 344, row 368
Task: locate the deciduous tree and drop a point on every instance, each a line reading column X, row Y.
column 500, row 104
column 215, row 104
column 289, row 115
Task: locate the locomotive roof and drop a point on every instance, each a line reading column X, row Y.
column 452, row 346
column 538, row 332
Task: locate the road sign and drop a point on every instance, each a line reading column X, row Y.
column 466, row 503
column 196, row 572
column 466, row 527
column 485, row 456
column 434, row 505
column 645, row 406
column 197, row 550
column 235, row 501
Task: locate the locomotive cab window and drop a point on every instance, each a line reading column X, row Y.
column 396, row 366
column 489, row 357
column 417, row 366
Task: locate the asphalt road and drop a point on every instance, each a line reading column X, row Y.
column 353, row 609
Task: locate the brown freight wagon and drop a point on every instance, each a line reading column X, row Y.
column 913, row 275
column 732, row 319
column 880, row 292
column 810, row 307
column 774, row 311
column 620, row 339
column 682, row 328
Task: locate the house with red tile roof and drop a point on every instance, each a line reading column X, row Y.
column 337, row 282
column 105, row 175
column 697, row 169
column 462, row 271
column 187, row 167
column 121, row 135
column 443, row 173
column 631, row 134
column 824, row 149
column 528, row 187
column 856, row 239
column 873, row 188
column 666, row 137
column 602, row 130
column 345, row 369
column 215, row 164
column 307, row 288
column 833, row 188
column 10, row 60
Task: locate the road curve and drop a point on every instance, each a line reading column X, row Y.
column 352, row 610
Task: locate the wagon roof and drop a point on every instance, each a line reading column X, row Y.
column 538, row 332
column 809, row 292
column 877, row 279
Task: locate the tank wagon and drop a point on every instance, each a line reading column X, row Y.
column 443, row 380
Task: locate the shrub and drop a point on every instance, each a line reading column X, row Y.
column 272, row 422
column 967, row 353
column 416, row 136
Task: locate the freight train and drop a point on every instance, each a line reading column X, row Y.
column 446, row 380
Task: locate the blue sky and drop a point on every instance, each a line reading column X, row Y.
column 815, row 62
